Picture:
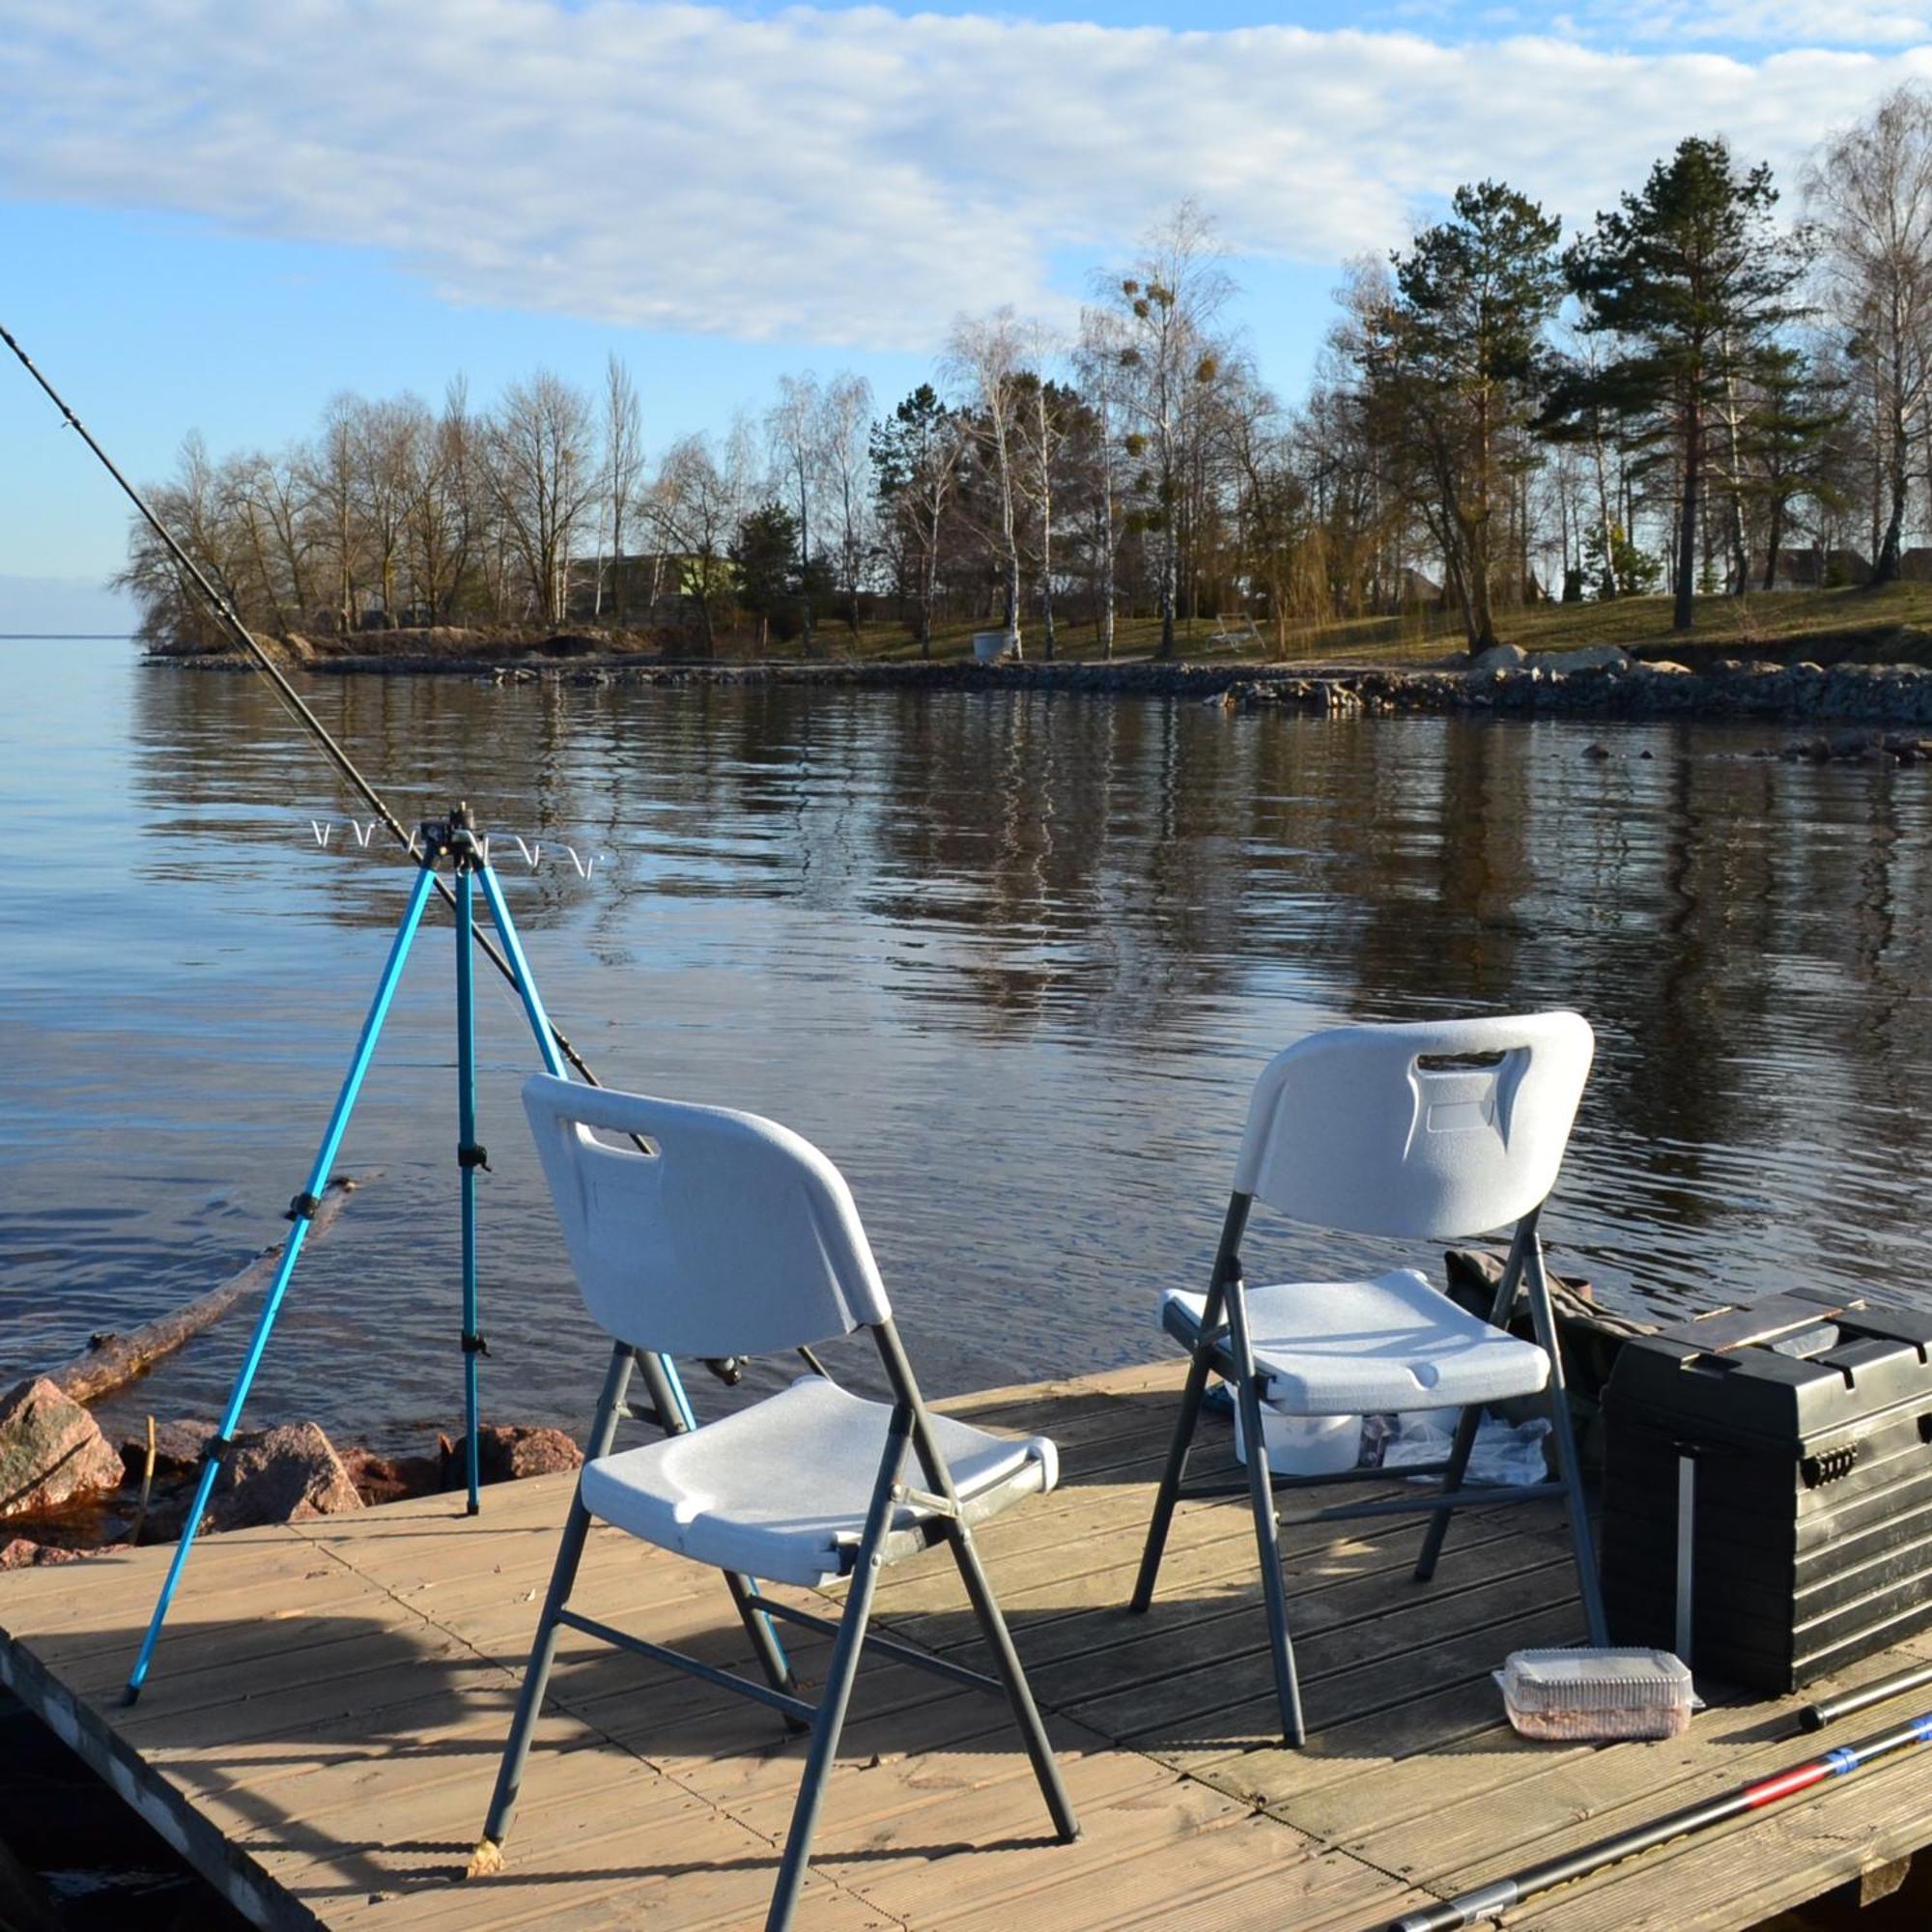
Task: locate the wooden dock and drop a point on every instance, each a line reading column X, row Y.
column 324, row 1721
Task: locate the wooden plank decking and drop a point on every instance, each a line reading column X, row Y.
column 324, row 1721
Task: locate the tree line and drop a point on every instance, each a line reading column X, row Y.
column 1690, row 392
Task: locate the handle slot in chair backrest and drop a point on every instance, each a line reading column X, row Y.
column 733, row 1236
column 1449, row 1128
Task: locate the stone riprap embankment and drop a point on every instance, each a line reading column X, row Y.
column 1596, row 683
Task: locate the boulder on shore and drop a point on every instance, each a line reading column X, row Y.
column 506, row 1452
column 281, row 1475
column 1592, row 657
column 20, row 1552
column 1498, row 657
column 51, row 1450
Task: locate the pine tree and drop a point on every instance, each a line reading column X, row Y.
column 1452, row 359
column 1691, row 282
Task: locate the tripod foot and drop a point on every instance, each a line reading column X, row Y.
column 486, row 1860
column 131, row 1694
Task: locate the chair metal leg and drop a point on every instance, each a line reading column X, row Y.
column 1227, row 1265
column 999, row 1639
column 1172, row 1476
column 1471, row 1417
column 843, row 1668
column 1568, row 1465
column 1267, row 1541
column 543, row 1650
column 1466, row 1424
column 979, row 1592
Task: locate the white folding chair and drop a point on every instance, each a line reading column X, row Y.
column 694, row 1231
column 1449, row 1129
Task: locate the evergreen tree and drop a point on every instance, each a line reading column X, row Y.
column 1451, row 357
column 1691, row 282
column 764, row 556
column 1797, row 415
column 916, row 456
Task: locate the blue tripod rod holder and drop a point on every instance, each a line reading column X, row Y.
column 451, row 840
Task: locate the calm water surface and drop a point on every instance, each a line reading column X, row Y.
column 1011, row 960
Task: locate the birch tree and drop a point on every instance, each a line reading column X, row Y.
column 843, row 443
column 985, row 357
column 916, row 454
column 1868, row 194
column 1167, row 307
column 795, row 435
column 623, row 471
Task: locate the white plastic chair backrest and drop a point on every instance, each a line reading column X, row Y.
column 733, row 1237
column 1451, row 1128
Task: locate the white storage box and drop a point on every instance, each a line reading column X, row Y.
column 1579, row 1694
column 1305, row 1445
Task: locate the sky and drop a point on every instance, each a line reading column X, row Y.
column 214, row 215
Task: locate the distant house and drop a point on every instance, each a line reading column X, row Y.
column 1810, row 568
column 1914, row 565
column 645, row 576
column 1413, row 589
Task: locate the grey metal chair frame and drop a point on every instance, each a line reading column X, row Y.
column 1225, row 1346
column 910, row 1429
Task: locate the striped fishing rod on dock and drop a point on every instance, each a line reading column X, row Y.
column 1471, row 1908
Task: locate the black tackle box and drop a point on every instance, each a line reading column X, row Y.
column 1809, row 1422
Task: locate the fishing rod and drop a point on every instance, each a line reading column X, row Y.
column 291, row 699
column 1488, row 1900
column 728, row 1370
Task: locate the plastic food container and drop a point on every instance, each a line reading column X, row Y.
column 1579, row 1694
column 1304, row 1445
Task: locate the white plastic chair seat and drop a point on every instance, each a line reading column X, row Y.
column 780, row 1491
column 1366, row 1348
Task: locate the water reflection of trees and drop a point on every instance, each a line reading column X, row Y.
column 1747, row 936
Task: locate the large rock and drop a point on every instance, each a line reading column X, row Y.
column 51, row 1450
column 1592, row 657
column 1499, row 657
column 281, row 1475
column 507, row 1452
column 18, row 1552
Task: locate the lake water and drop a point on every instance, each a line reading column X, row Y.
column 1011, row 960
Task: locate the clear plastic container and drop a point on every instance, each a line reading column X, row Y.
column 1304, row 1445
column 1574, row 1695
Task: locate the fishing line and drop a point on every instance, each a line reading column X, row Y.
column 728, row 1368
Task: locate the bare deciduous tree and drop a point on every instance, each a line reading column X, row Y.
column 1167, row 307
column 986, row 361
column 846, row 417
column 543, row 480
column 694, row 507
column 795, row 435
column 623, row 471
column 1869, row 195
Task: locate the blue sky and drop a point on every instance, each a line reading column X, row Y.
column 213, row 215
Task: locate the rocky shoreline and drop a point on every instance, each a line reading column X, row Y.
column 1602, row 683
column 66, row 1492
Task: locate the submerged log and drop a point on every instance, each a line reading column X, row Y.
column 110, row 1361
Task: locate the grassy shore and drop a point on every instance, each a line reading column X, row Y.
column 1892, row 625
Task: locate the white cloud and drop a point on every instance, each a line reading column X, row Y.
column 1830, row 23
column 853, row 176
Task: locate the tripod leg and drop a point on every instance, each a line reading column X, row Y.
column 468, row 1155
column 300, row 1212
